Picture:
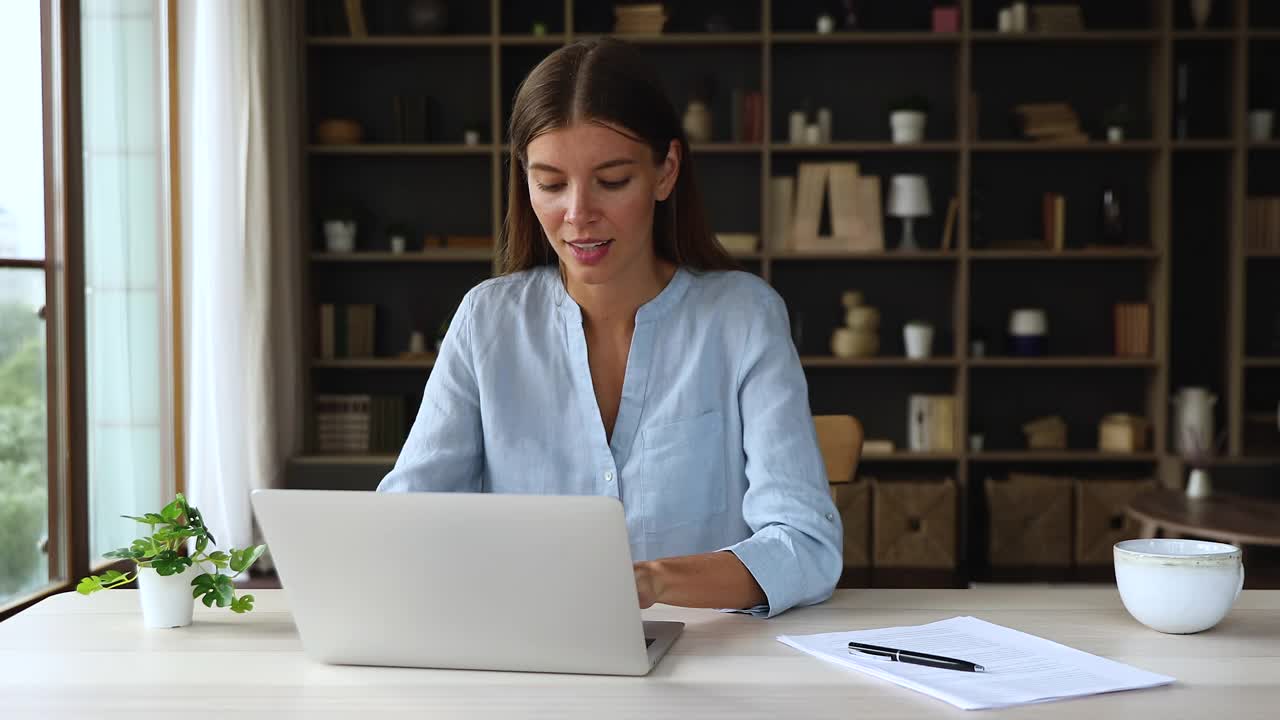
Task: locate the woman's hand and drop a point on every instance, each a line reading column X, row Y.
column 710, row 580
column 646, row 583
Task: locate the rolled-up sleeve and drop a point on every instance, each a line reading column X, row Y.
column 445, row 448
column 795, row 550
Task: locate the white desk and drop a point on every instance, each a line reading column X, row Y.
column 77, row 657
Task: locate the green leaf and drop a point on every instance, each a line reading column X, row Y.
column 89, row 585
column 215, row 588
column 242, row 559
column 165, row 536
column 202, row 542
column 105, row 581
column 169, row 562
column 110, row 577
column 148, row 519
column 219, row 559
column 173, row 511
column 242, row 604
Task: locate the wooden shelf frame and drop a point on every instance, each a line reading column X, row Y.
column 1158, row 43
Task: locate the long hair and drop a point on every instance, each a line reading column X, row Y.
column 604, row 81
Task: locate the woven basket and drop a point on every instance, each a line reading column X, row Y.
column 915, row 524
column 853, row 500
column 1100, row 517
column 1029, row 521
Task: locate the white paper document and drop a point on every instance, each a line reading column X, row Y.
column 1020, row 668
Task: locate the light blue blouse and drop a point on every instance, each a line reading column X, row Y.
column 713, row 447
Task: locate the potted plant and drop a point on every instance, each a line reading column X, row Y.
column 339, row 225
column 907, row 119
column 1117, row 119
column 169, row 582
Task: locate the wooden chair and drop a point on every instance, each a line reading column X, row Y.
column 840, row 439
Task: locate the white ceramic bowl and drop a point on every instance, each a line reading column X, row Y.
column 1178, row 586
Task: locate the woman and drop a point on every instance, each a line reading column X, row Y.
column 618, row 353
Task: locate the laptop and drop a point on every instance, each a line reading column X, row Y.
column 461, row 580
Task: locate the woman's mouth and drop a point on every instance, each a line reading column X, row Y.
column 590, row 252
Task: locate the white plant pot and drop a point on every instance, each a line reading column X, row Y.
column 918, row 338
column 1115, row 134
column 166, row 601
column 340, row 236
column 1260, row 124
column 907, row 126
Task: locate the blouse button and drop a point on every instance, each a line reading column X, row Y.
column 608, row 476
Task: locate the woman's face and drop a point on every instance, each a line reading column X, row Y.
column 593, row 189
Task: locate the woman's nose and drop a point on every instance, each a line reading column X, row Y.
column 581, row 210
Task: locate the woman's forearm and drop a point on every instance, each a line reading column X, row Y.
column 709, row 580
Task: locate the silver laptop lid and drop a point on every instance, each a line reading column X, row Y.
column 457, row 580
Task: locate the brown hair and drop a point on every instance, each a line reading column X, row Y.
column 604, row 80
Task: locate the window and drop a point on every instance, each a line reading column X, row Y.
column 24, row 398
column 127, row 324
column 86, row 380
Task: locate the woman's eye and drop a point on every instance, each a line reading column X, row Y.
column 615, row 184
column 550, row 187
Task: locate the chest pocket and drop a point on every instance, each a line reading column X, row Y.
column 682, row 478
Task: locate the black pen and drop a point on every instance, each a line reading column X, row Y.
column 915, row 658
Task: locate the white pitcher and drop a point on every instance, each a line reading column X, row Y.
column 1193, row 427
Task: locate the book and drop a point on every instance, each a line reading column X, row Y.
column 811, row 184
column 345, row 330
column 359, row 423
column 870, row 215
column 949, row 227
column 355, row 18
column 842, row 198
column 931, row 423
column 1133, row 329
column 782, row 192
column 1054, row 212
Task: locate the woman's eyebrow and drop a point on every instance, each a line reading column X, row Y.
column 602, row 166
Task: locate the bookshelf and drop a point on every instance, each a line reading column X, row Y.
column 1130, row 54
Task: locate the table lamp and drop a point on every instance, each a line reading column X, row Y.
column 908, row 200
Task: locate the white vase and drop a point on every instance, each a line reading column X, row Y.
column 1260, row 124
column 1194, row 422
column 340, row 236
column 1200, row 10
column 918, row 337
column 797, row 121
column 697, row 122
column 1198, row 484
column 167, row 601
column 907, row 126
column 1115, row 134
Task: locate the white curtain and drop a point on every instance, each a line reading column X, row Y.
column 242, row 328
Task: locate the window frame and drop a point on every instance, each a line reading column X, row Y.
column 64, row 311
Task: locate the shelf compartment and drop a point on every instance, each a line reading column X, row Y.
column 420, row 256
column 1082, row 362
column 406, row 149
column 827, row 361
